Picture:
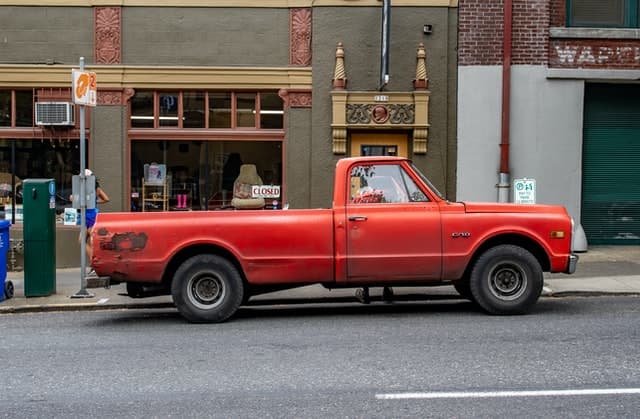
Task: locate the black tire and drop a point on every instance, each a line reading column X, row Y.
column 8, row 290
column 207, row 289
column 506, row 279
column 464, row 289
column 135, row 290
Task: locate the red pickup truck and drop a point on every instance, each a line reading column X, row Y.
column 388, row 227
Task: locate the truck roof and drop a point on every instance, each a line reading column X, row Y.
column 347, row 161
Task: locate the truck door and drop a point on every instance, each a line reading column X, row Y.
column 393, row 228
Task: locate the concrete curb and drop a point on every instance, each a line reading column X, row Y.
column 106, row 306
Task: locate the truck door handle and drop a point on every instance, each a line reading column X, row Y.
column 358, row 218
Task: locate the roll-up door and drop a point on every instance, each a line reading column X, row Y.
column 611, row 164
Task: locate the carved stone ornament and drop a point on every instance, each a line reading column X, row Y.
column 363, row 113
column 300, row 32
column 358, row 113
column 339, row 74
column 110, row 98
column 367, row 110
column 402, row 114
column 379, row 114
column 421, row 82
column 295, row 99
column 108, row 40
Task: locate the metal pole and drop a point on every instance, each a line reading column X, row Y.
column 13, row 181
column 83, row 293
column 504, row 175
column 384, row 44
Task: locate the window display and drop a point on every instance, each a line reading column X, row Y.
column 56, row 159
column 200, row 175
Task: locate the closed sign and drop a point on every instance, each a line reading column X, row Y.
column 265, row 191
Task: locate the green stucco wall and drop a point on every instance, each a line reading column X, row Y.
column 45, row 35
column 358, row 28
column 205, row 36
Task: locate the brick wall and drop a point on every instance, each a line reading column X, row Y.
column 530, row 34
column 558, row 12
column 481, row 32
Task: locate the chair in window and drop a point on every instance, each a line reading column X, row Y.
column 242, row 188
column 6, row 194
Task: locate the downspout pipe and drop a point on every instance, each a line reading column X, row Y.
column 504, row 180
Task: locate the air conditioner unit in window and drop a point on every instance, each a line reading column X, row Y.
column 55, row 113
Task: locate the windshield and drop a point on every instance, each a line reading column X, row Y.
column 426, row 181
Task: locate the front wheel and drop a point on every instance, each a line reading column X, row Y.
column 506, row 279
column 207, row 289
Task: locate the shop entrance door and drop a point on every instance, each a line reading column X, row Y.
column 379, row 144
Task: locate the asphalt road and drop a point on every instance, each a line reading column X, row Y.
column 574, row 357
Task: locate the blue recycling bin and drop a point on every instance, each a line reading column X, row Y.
column 6, row 288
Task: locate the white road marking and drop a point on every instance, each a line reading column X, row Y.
column 102, row 301
column 496, row 394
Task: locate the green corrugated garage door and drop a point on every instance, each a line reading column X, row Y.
column 611, row 164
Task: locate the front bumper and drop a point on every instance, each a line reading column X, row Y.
column 573, row 264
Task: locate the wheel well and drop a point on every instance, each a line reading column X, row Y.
column 199, row 249
column 517, row 240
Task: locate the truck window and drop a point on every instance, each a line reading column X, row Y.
column 386, row 183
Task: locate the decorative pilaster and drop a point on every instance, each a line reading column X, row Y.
column 339, row 74
column 300, row 35
column 108, row 39
column 421, row 81
column 420, row 140
column 339, row 140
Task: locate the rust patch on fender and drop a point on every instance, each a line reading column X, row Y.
column 128, row 241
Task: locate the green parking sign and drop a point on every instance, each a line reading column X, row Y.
column 524, row 191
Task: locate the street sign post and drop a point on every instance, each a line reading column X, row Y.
column 84, row 91
column 524, row 191
column 85, row 87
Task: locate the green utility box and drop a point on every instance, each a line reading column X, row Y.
column 39, row 233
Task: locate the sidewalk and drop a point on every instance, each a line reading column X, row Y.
column 601, row 270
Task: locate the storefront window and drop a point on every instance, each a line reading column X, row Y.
column 5, row 108
column 56, row 159
column 168, row 109
column 142, row 110
column 219, row 110
column 271, row 113
column 200, row 174
column 23, row 108
column 193, row 105
column 246, row 110
column 226, row 110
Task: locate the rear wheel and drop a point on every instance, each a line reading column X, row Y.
column 506, row 279
column 135, row 290
column 207, row 289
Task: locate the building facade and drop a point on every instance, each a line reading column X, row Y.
column 189, row 91
column 568, row 115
